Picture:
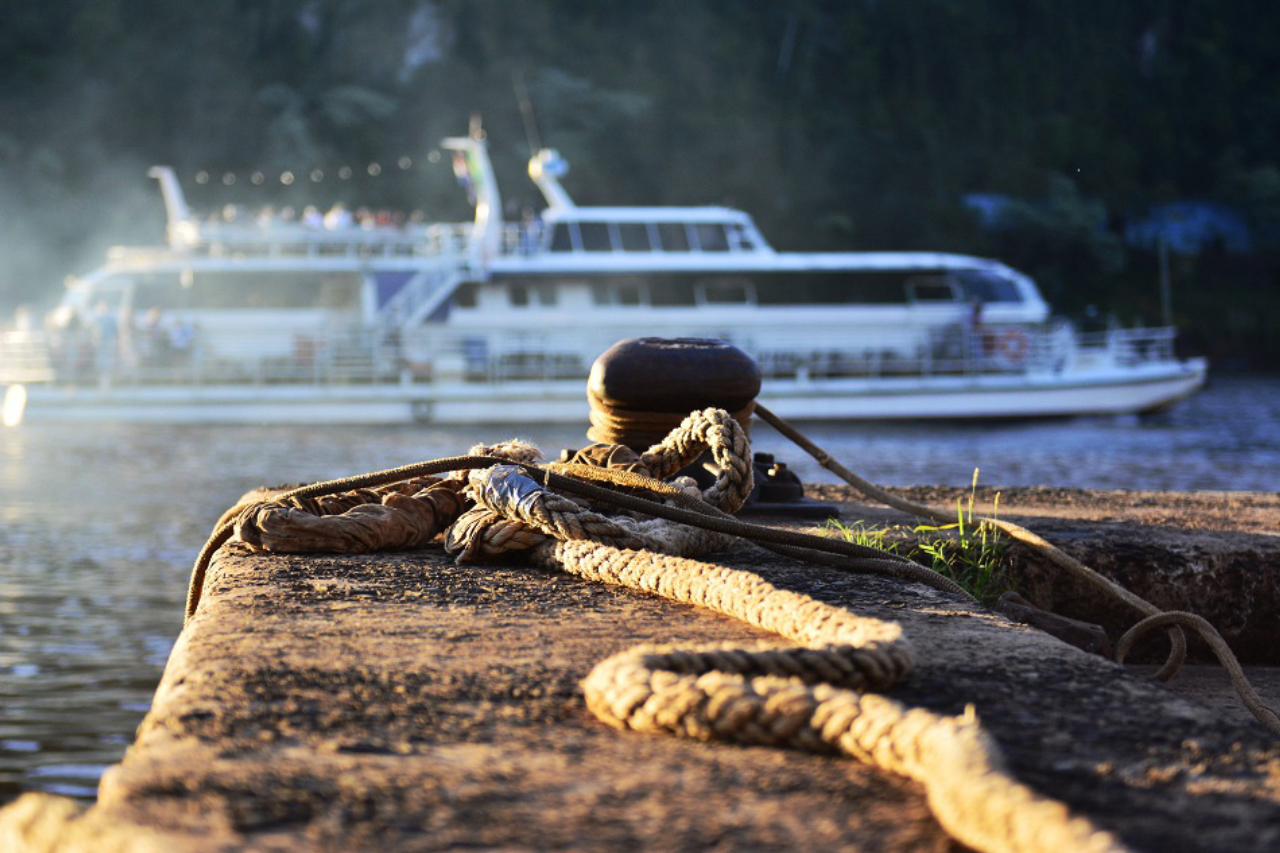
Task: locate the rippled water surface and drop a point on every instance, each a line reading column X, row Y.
column 98, row 527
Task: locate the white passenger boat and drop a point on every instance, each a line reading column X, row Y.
column 487, row 321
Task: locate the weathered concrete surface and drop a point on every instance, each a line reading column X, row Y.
column 401, row 703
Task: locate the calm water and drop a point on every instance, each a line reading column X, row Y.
column 98, row 528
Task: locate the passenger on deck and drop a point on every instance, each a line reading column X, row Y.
column 338, row 217
column 979, row 337
column 150, row 340
column 530, row 231
column 106, row 342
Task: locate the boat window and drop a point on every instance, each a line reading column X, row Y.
column 711, row 237
column 621, row 292
column 221, row 291
column 562, row 239
column 726, row 290
column 872, row 288
column 933, row 288
column 673, row 236
column 595, row 237
column 668, row 291
column 634, row 236
column 987, row 287
column 523, row 295
column 465, row 296
column 840, row 287
column 160, row 292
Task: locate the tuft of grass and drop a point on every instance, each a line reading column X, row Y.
column 974, row 555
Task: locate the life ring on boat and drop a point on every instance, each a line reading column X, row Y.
column 1012, row 345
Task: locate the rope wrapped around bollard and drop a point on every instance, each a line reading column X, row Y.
column 808, row 692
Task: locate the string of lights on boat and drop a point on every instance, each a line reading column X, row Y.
column 260, row 177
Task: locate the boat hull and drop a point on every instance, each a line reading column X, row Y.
column 1111, row 392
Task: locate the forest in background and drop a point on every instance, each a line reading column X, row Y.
column 839, row 124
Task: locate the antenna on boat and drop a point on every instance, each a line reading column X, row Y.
column 546, row 166
column 526, row 113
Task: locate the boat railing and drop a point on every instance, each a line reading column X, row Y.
column 335, row 355
column 1131, row 346
column 521, row 239
column 25, row 357
column 341, row 354
column 955, row 349
column 249, row 356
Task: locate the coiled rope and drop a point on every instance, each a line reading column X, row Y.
column 808, row 695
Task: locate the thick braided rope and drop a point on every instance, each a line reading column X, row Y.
column 969, row 790
column 510, row 494
column 804, row 697
column 336, row 504
column 225, row 529
column 354, row 522
column 738, row 593
column 714, row 430
column 480, row 535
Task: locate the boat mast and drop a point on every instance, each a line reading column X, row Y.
column 546, row 168
column 181, row 228
column 472, row 166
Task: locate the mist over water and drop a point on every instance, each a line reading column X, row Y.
column 98, row 528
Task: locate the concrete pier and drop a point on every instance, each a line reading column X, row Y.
column 402, row 703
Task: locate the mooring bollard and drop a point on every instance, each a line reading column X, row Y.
column 640, row 389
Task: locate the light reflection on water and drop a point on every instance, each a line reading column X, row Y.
column 98, row 527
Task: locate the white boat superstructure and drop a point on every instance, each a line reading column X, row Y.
column 494, row 321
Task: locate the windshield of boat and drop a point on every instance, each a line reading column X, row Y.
column 986, row 286
column 598, row 236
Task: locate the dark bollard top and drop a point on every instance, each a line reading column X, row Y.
column 674, row 375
